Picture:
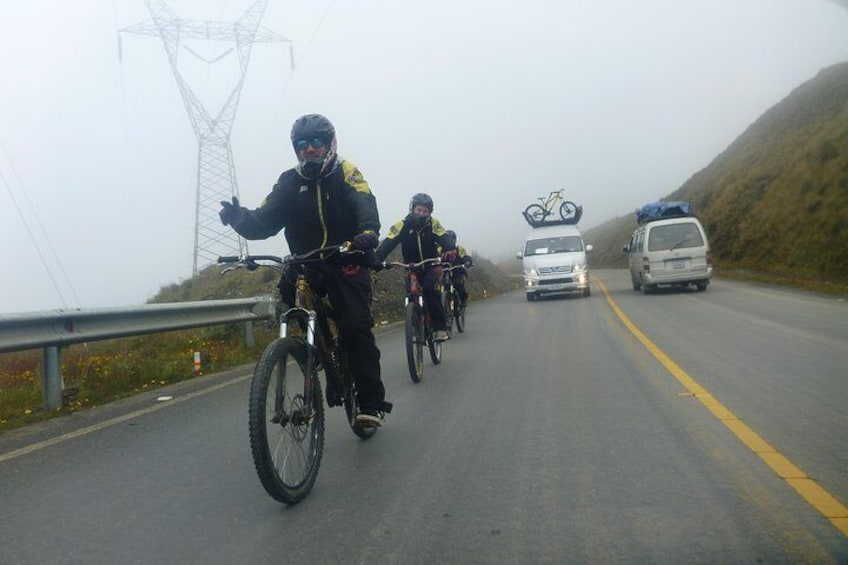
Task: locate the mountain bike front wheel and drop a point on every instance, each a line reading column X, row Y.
column 286, row 419
column 459, row 315
column 447, row 306
column 415, row 341
column 435, row 350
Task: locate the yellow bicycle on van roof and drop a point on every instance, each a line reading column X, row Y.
column 540, row 212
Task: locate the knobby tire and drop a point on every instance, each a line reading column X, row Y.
column 459, row 315
column 448, row 308
column 414, row 342
column 567, row 210
column 287, row 455
column 435, row 348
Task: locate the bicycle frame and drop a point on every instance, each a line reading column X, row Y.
column 415, row 293
column 551, row 200
column 320, row 331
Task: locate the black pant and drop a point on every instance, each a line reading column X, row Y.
column 459, row 278
column 429, row 280
column 349, row 291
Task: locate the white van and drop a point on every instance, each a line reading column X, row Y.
column 672, row 251
column 554, row 260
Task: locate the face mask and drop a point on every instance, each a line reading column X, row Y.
column 419, row 221
column 311, row 169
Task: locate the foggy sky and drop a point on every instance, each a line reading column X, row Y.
column 485, row 105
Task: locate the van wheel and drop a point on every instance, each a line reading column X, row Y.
column 635, row 283
column 531, row 298
column 647, row 288
column 587, row 292
column 702, row 286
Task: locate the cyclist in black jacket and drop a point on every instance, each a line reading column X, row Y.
column 463, row 262
column 422, row 237
column 325, row 201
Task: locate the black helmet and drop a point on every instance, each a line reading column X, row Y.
column 452, row 234
column 421, row 198
column 309, row 127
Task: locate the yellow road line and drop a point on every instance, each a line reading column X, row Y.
column 808, row 488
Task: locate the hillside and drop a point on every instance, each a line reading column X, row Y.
column 484, row 279
column 775, row 201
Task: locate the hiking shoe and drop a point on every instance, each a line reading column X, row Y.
column 441, row 335
column 370, row 418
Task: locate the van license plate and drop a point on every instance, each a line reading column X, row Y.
column 677, row 264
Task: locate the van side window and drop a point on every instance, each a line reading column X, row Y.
column 637, row 243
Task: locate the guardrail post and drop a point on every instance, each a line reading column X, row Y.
column 51, row 380
column 248, row 334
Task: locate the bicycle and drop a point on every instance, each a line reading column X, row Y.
column 286, row 410
column 418, row 326
column 539, row 212
column 454, row 312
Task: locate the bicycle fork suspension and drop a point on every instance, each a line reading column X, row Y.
column 302, row 412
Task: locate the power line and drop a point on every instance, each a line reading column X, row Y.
column 34, row 212
column 34, row 242
column 318, row 27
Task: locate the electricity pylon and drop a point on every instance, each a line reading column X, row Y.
column 216, row 175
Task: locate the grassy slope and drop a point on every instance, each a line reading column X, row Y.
column 776, row 200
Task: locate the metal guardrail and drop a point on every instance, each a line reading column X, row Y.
column 55, row 328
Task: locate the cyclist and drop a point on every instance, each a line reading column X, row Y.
column 421, row 237
column 325, row 201
column 460, row 275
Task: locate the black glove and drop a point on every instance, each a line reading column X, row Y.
column 366, row 241
column 230, row 212
column 467, row 262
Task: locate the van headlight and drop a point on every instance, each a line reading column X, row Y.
column 580, row 268
column 532, row 273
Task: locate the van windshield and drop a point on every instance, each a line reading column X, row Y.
column 567, row 244
column 675, row 236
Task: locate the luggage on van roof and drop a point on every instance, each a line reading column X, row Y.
column 663, row 210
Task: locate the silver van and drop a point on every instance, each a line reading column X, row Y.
column 554, row 261
column 672, row 251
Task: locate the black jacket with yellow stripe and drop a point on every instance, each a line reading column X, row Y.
column 417, row 243
column 315, row 213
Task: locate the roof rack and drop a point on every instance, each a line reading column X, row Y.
column 570, row 221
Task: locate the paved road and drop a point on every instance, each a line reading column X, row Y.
column 550, row 434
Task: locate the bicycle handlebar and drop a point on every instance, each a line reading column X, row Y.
column 456, row 266
column 414, row 266
column 315, row 255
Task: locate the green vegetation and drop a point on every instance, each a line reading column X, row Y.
column 100, row 372
column 103, row 371
column 775, row 202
